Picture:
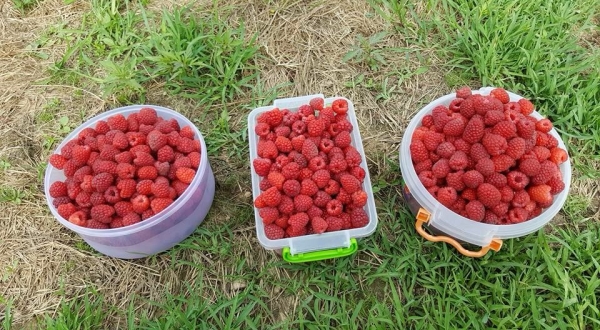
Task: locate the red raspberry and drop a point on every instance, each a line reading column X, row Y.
column 455, row 180
column 481, row 104
column 332, row 187
column 445, row 150
column 66, row 210
column 273, row 232
column 124, row 157
column 427, row 121
column 102, row 127
column 159, row 204
column 133, row 124
column 334, row 223
column 143, row 159
column 353, row 157
column 117, row 122
column 144, row 187
column 308, row 187
column 517, row 215
column 309, row 149
column 276, row 179
column 147, row 116
column 319, row 225
column 455, row 127
column 291, row 171
column 111, row 195
column 418, row 151
column 160, row 188
column 447, row 196
column 326, row 145
column 475, row 210
column 273, row 117
column 338, row 165
column 462, row 145
column 315, row 127
column 485, row 166
column 512, row 106
column 500, row 94
column 466, row 108
column 349, row 183
column 542, row 153
column 547, row 171
column 530, row 166
column 271, row 197
column 492, row 118
column 268, row 215
column 305, row 173
column 315, row 164
column 292, row 188
column 342, row 140
column 298, row 220
column 123, row 208
column 321, row 199
column 61, row 200
column 494, row 144
column 298, row 142
column 58, row 189
column 125, row 171
column 321, row 178
column 147, row 172
column 520, row 199
column 126, row 188
column 441, row 116
column 102, row 181
column 526, row 106
column 80, row 154
column 472, row 179
column 97, row 198
column 458, row 161
column 498, row 180
column 507, row 194
column 433, row 140
column 359, row 218
column 120, row 141
column 517, row 180
column 57, row 161
column 286, row 206
column 551, row 142
column 283, row 131
column 93, row 224
column 544, row 125
column 302, row 203
column 140, row 204
column 83, row 199
column 299, row 127
column 102, row 213
column 503, row 163
column 469, row 194
column 558, row 155
column 433, row 190
column 147, row 214
column 516, row 148
column 459, row 205
column 316, row 103
column 314, row 211
column 283, row 144
column 478, row 152
column 131, row 219
column 180, row 187
column 464, row 92
column 474, row 130
column 340, row 106
column 359, row 199
column 455, row 105
column 334, row 207
column 506, row 128
column 423, row 166
column 156, row 140
column 108, row 152
column 441, row 168
column 488, row 194
column 556, row 184
column 78, row 218
column 525, row 128
column 427, row 179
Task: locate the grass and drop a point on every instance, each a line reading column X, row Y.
column 213, row 69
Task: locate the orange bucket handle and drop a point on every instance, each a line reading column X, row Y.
column 423, row 217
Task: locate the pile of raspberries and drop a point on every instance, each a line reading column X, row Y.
column 487, row 159
column 311, row 178
column 125, row 170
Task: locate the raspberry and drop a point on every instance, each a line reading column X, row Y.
column 286, row 206
column 97, row 198
column 58, row 189
column 315, row 127
column 83, row 199
column 298, row 220
column 80, row 154
column 494, row 144
column 526, row 106
column 418, row 151
column 338, row 165
column 520, row 199
column 506, row 128
column 469, row 194
column 120, row 141
column 492, row 118
column 544, row 125
column 474, row 130
column 488, row 195
column 102, row 213
column 349, row 183
column 315, row 164
column 159, row 204
column 540, row 194
column 276, row 179
column 547, row 170
column 512, row 106
column 556, row 185
column 321, row 199
column 131, row 219
column 271, row 197
column 319, row 225
column 500, row 210
column 334, row 223
column 427, row 179
column 78, row 218
column 458, row 161
column 447, row 196
column 558, row 155
column 525, row 128
column 423, row 166
column 503, row 163
column 507, row 194
column 466, row 108
column 140, row 203
column 517, row 215
column 314, row 211
column 273, row 231
column 462, row 145
column 123, row 208
column 93, row 224
column 268, row 215
column 302, row 203
column 530, row 166
column 117, row 122
column 109, row 152
column 273, row 117
column 432, row 140
column 309, row 149
column 478, row 152
column 147, row 172
column 516, row 148
column 455, row 127
column 66, row 210
column 299, row 127
column 102, row 181
column 61, row 200
column 542, row 153
column 57, row 161
column 481, row 104
column 305, row 173
column 359, row 198
column 359, row 218
column 485, row 166
column 455, row 105
column 464, row 92
column 427, row 121
column 500, row 94
column 292, row 188
column 472, row 179
column 308, row 187
column 291, row 170
column 125, row 171
column 340, row 106
column 475, row 210
column 441, row 168
column 321, row 178
column 517, row 180
column 147, row 116
column 283, row 144
column 185, row 174
column 441, row 116
column 334, row 207
column 126, row 188
column 143, row 159
column 342, row 140
column 160, row 188
column 455, row 180
column 353, row 157
column 111, row 195
column 445, row 150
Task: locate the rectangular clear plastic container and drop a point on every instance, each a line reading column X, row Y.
column 317, row 246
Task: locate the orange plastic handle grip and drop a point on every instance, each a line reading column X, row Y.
column 423, row 217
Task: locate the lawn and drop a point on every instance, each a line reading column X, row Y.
column 64, row 61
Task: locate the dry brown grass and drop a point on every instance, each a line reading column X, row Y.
column 302, row 43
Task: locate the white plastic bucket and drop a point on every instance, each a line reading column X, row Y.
column 160, row 232
column 316, row 246
column 443, row 220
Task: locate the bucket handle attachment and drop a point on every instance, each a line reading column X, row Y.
column 423, row 217
column 320, row 255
